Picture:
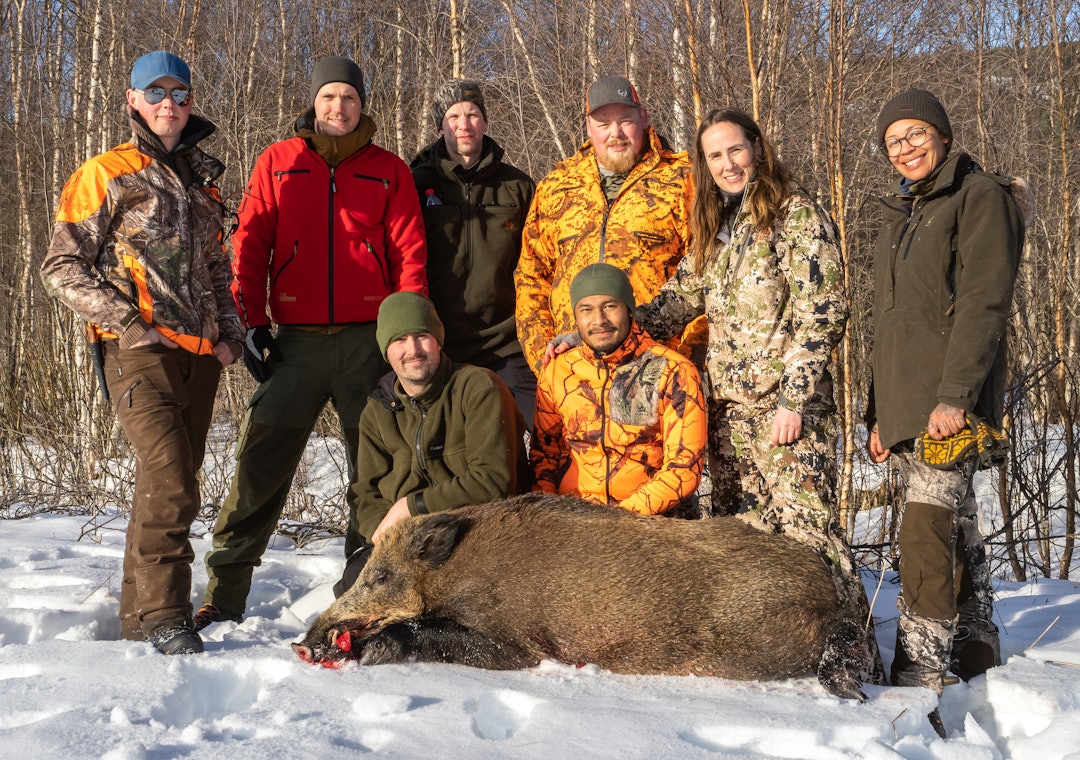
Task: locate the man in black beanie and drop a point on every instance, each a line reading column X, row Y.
column 329, row 226
column 474, row 205
column 434, row 435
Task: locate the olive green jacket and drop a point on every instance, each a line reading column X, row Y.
column 460, row 441
column 944, row 267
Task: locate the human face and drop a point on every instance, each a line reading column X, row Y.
column 414, row 357
column 603, row 322
column 337, row 109
column 617, row 133
column 917, row 162
column 165, row 119
column 730, row 156
column 463, row 129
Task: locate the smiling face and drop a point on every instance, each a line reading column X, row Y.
column 730, row 156
column 415, row 358
column 337, row 109
column 165, row 119
column 917, row 162
column 618, row 134
column 603, row 322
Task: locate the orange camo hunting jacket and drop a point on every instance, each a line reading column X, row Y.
column 644, row 232
column 627, row 429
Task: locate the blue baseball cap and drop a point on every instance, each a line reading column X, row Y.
column 157, row 65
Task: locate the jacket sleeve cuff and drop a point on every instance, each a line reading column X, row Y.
column 417, row 505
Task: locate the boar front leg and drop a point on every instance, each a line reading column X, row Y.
column 441, row 640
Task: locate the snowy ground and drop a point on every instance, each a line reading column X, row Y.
column 70, row 689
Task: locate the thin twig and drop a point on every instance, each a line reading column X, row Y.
column 1036, row 641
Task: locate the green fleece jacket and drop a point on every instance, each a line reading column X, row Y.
column 460, row 441
column 944, row 268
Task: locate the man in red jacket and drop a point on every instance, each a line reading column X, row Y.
column 329, row 226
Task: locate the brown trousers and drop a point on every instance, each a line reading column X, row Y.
column 164, row 401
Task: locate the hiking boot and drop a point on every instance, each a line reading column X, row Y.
column 176, row 636
column 211, row 613
column 975, row 649
column 934, row 716
column 132, row 632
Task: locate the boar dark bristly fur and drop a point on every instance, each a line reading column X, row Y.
column 508, row 584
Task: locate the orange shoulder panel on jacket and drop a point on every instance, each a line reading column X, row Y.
column 86, row 189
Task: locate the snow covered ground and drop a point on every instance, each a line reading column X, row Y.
column 69, row 688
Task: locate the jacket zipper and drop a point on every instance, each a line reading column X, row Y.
column 330, row 248
column 603, row 430
column 418, row 445
column 468, row 228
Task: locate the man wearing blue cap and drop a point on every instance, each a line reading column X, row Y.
column 137, row 252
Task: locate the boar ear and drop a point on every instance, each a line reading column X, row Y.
column 435, row 540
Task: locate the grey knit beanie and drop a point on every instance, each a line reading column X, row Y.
column 602, row 280
column 457, row 91
column 406, row 312
column 912, row 104
column 337, row 69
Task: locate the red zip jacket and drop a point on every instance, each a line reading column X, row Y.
column 326, row 245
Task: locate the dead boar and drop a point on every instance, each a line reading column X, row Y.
column 510, row 583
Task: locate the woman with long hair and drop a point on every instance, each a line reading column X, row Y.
column 765, row 269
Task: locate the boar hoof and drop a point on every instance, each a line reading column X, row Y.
column 385, row 647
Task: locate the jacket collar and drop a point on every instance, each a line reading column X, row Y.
column 334, row 149
column 393, row 397
column 941, row 180
column 438, row 158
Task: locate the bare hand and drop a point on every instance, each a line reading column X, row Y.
column 873, row 447
column 224, row 353
column 786, row 427
column 153, row 336
column 944, row 421
column 397, row 513
column 560, row 344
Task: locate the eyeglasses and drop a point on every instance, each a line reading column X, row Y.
column 915, row 137
column 154, row 95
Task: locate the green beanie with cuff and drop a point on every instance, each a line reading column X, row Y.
column 406, row 312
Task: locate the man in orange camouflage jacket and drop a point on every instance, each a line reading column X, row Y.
column 620, row 419
column 622, row 198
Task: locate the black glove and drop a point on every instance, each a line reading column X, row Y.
column 259, row 349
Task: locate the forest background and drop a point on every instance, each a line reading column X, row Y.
column 813, row 72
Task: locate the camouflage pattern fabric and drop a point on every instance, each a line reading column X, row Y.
column 951, row 489
column 923, row 646
column 626, row 429
column 776, row 309
column 570, row 225
column 130, row 240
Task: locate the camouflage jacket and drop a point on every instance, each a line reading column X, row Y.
column 139, row 236
column 570, row 225
column 627, row 429
column 776, row 309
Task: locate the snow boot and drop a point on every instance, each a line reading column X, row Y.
column 211, row 613
column 176, row 636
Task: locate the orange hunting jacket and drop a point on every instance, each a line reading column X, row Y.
column 626, row 429
column 644, row 232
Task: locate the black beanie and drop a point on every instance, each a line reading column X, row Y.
column 337, row 69
column 912, row 104
column 457, row 91
column 406, row 312
column 602, row 280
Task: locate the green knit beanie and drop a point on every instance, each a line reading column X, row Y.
column 602, row 280
column 406, row 312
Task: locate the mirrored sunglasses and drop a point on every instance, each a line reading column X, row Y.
column 154, row 95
